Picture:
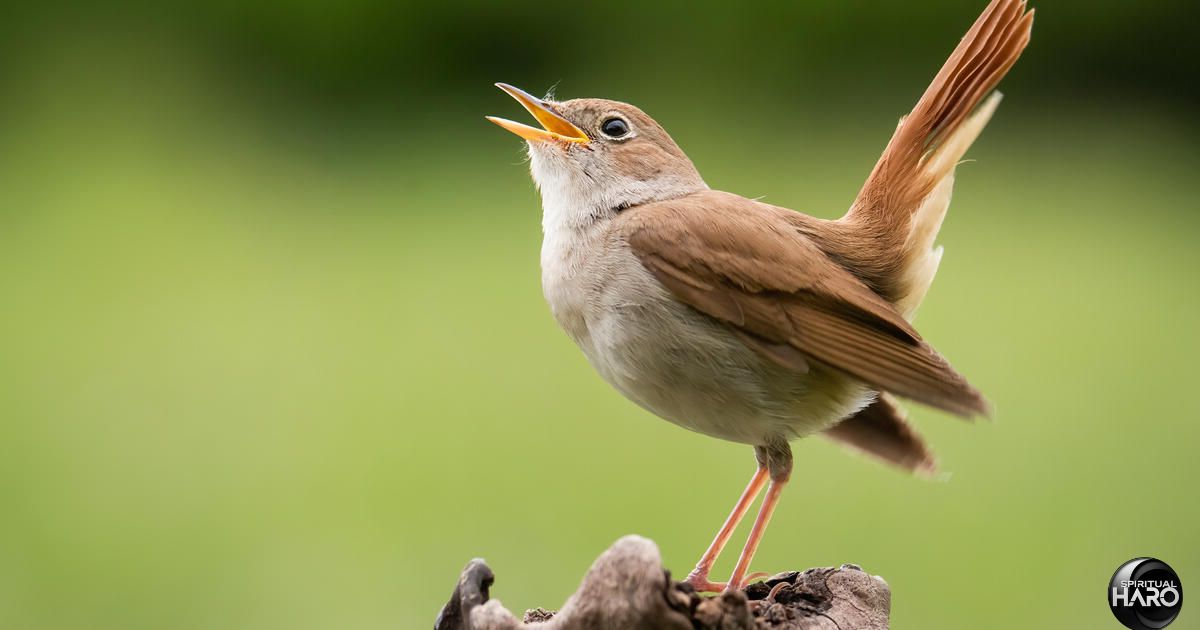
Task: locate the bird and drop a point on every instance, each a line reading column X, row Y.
column 751, row 322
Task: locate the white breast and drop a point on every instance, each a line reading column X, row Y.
column 672, row 360
column 668, row 358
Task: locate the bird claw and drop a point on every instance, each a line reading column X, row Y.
column 757, row 575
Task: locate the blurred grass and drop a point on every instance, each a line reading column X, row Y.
column 267, row 373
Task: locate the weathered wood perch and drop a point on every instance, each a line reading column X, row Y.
column 628, row 589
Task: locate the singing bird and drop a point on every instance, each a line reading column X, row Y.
column 751, row 322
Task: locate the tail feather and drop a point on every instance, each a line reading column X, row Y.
column 882, row 431
column 901, row 206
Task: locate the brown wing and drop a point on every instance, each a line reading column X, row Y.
column 882, row 431
column 741, row 262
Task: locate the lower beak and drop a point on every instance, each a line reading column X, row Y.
column 555, row 127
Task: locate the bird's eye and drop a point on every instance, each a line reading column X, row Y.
column 614, row 128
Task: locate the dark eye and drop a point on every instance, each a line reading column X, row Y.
column 614, row 128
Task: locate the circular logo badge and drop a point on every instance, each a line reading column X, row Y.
column 1145, row 594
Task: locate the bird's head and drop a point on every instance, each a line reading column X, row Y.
column 594, row 157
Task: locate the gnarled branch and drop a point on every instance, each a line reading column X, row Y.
column 628, row 588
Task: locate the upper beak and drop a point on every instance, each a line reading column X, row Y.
column 555, row 127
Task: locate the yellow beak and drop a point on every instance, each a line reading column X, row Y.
column 555, row 127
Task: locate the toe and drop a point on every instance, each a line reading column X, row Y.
column 701, row 584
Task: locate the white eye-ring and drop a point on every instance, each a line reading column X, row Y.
column 614, row 127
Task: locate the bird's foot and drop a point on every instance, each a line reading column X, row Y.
column 699, row 582
column 737, row 585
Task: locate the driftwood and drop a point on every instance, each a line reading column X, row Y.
column 628, row 589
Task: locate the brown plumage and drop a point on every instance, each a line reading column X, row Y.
column 734, row 259
column 877, row 239
column 747, row 321
column 881, row 430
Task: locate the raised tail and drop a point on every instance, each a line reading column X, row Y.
column 900, row 208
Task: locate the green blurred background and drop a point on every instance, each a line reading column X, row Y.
column 273, row 352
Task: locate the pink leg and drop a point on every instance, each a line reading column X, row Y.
column 739, row 578
column 699, row 576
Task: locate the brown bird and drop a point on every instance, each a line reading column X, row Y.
column 747, row 321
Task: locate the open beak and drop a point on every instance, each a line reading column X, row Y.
column 555, row 127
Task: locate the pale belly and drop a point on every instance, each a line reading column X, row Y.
column 689, row 369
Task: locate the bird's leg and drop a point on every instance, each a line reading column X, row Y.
column 739, row 578
column 698, row 578
column 777, row 459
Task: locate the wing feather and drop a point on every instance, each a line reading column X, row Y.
column 741, row 262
